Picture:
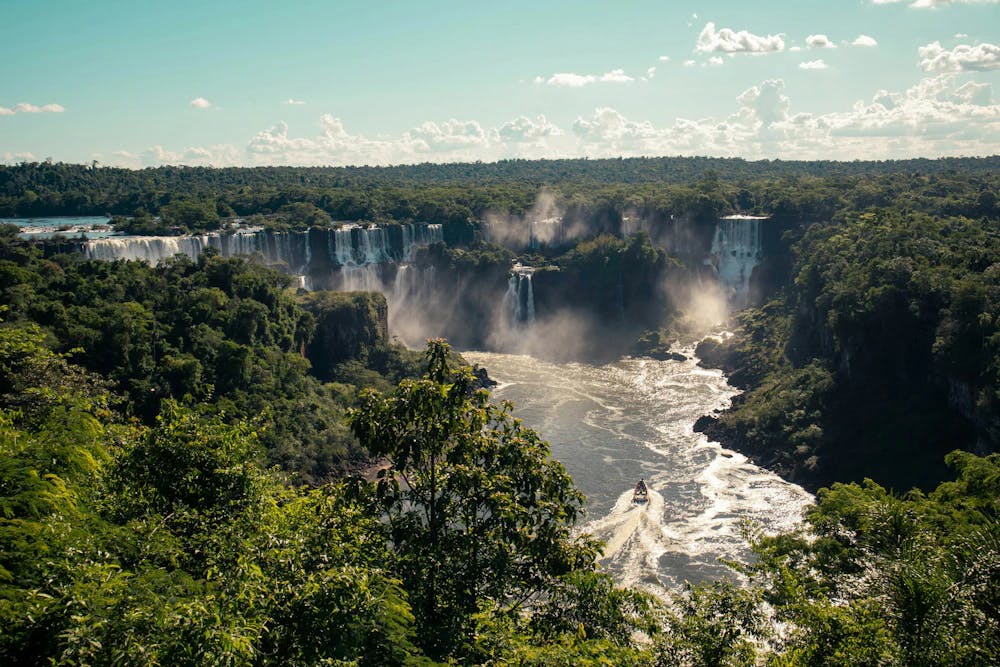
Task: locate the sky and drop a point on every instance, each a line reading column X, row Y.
column 141, row 83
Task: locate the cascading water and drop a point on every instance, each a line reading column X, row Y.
column 520, row 295
column 736, row 250
column 347, row 245
column 343, row 245
column 152, row 249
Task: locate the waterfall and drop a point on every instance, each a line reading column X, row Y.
column 520, row 295
column 433, row 234
column 152, row 249
column 343, row 241
column 529, row 315
column 407, row 251
column 513, row 297
column 736, row 250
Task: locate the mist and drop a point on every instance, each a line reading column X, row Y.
column 542, row 224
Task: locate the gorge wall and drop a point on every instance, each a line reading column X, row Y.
column 607, row 289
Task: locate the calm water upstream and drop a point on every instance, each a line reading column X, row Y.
column 613, row 424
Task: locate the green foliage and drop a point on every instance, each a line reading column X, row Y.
column 190, row 216
column 885, row 349
column 881, row 579
column 714, row 624
column 222, row 335
column 476, row 508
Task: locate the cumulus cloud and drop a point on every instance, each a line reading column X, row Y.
column 293, row 102
column 941, row 115
column 25, row 107
column 814, row 64
column 864, row 40
column 932, row 118
column 200, row 103
column 664, row 58
column 819, row 42
column 650, row 72
column 451, row 133
column 17, row 158
column 218, row 155
column 979, row 57
column 980, row 94
column 716, row 61
column 727, row 40
column 157, row 155
column 524, row 130
column 570, row 80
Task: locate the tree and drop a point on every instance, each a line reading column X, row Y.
column 477, row 512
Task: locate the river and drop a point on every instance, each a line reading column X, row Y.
column 611, row 425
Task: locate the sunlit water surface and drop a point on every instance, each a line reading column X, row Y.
column 613, row 424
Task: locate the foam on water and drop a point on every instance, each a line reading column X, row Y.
column 613, row 424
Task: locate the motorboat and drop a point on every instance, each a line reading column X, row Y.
column 640, row 495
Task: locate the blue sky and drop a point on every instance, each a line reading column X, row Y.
column 138, row 83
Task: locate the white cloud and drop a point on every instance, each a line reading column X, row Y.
column 864, row 40
column 941, row 115
column 608, row 126
column 17, row 158
column 726, row 40
column 219, row 155
column 931, row 119
column 980, row 94
column 155, row 156
column 200, row 103
column 934, row 4
column 979, row 57
column 569, row 80
column 814, row 64
column 451, row 133
column 819, row 42
column 25, row 107
column 293, row 102
column 524, row 130
column 650, row 72
column 664, row 59
column 715, row 61
column 689, row 63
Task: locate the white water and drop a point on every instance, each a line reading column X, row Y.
column 613, row 424
column 737, row 248
column 349, row 245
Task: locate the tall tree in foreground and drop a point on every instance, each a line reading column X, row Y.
column 478, row 513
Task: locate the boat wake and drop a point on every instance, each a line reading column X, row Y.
column 612, row 424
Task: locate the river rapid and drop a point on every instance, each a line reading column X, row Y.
column 615, row 423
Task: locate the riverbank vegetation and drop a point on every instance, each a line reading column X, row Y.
column 170, row 543
column 176, row 441
column 878, row 357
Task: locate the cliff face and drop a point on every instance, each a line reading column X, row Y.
column 878, row 358
column 349, row 325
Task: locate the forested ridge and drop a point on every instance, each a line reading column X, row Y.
column 173, row 439
column 463, row 193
